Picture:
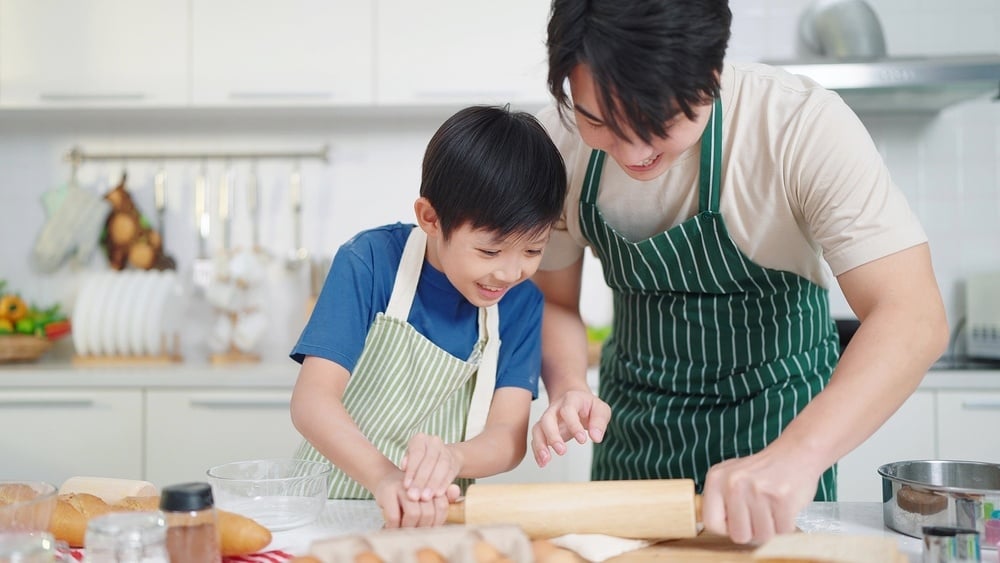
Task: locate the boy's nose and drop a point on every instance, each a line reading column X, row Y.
column 510, row 271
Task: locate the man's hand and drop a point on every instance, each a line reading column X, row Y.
column 751, row 499
column 577, row 414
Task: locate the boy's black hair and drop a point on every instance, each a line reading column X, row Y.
column 494, row 169
column 650, row 59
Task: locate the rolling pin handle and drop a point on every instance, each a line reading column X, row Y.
column 697, row 509
column 456, row 512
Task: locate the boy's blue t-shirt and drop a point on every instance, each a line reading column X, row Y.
column 358, row 288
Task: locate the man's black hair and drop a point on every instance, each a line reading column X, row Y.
column 494, row 169
column 650, row 59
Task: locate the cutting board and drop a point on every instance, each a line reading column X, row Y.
column 709, row 548
column 705, row 548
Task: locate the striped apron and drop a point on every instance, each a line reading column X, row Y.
column 710, row 355
column 404, row 383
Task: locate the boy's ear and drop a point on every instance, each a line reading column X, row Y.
column 427, row 217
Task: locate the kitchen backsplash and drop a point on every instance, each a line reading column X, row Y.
column 948, row 165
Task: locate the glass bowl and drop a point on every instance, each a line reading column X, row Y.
column 279, row 494
column 26, row 505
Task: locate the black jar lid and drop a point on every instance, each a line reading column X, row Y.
column 186, row 497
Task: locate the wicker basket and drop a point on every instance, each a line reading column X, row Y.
column 22, row 348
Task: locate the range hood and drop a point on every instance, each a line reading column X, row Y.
column 904, row 84
column 843, row 48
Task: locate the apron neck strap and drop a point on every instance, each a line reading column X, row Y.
column 709, row 175
column 407, row 275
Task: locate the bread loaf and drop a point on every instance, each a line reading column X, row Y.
column 16, row 492
column 238, row 535
column 110, row 490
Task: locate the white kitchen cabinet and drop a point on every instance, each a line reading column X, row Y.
column 51, row 435
column 67, row 53
column 908, row 434
column 458, row 52
column 968, row 423
column 296, row 52
column 188, row 431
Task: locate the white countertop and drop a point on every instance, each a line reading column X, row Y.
column 283, row 374
column 345, row 517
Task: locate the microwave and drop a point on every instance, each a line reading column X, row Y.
column 982, row 315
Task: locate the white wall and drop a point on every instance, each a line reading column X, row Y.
column 948, row 165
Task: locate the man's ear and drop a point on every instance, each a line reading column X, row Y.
column 427, row 217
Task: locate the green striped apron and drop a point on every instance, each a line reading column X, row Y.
column 404, row 383
column 710, row 355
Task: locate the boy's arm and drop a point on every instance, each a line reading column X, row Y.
column 431, row 465
column 501, row 445
column 318, row 414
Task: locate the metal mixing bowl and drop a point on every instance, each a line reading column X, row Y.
column 962, row 494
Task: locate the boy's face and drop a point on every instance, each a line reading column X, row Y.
column 480, row 266
column 640, row 160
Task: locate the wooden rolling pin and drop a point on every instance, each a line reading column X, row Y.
column 643, row 509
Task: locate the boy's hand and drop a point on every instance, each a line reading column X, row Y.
column 430, row 468
column 575, row 415
column 399, row 511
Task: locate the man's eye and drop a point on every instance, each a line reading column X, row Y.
column 595, row 124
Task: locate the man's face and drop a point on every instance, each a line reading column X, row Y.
column 640, row 160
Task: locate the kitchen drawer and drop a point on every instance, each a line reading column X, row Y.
column 51, row 435
column 188, row 431
column 908, row 434
column 968, row 423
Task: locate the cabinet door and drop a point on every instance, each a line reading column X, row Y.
column 301, row 52
column 460, row 52
column 189, row 431
column 52, row 435
column 99, row 52
column 908, row 434
column 967, row 426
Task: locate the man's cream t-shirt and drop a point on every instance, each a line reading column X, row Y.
column 802, row 182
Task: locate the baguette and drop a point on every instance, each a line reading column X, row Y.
column 238, row 535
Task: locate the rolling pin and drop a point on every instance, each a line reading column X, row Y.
column 642, row 509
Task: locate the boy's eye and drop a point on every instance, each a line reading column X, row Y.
column 534, row 252
column 489, row 252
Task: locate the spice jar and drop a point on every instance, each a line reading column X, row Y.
column 191, row 523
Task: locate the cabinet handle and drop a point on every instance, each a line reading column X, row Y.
column 251, row 95
column 981, row 404
column 462, row 94
column 46, row 403
column 109, row 97
column 240, row 404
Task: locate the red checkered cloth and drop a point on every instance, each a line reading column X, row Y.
column 275, row 556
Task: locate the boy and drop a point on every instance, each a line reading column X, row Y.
column 404, row 385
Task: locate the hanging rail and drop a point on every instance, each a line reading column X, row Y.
column 77, row 155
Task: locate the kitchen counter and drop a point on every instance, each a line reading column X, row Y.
column 282, row 375
column 345, row 517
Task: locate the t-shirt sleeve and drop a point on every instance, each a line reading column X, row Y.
column 566, row 243
column 520, row 362
column 339, row 323
column 843, row 192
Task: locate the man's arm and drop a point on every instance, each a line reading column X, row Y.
column 903, row 331
column 574, row 411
